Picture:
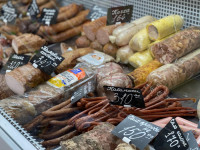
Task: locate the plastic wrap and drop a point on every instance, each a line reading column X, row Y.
column 123, row 54
column 171, row 75
column 140, row 58
column 140, row 74
column 95, row 59
column 26, row 107
column 176, row 46
column 159, row 29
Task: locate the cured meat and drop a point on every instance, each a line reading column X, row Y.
column 49, row 4
column 24, row 108
column 27, row 43
column 99, row 138
column 177, row 45
column 91, row 28
column 64, row 35
column 110, row 49
column 140, row 74
column 123, row 54
column 107, row 70
column 171, row 75
column 116, row 79
column 82, row 42
column 68, row 13
column 70, row 58
column 103, row 33
column 96, row 45
column 4, row 90
column 63, row 26
column 25, row 77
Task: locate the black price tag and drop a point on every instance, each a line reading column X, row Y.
column 33, row 10
column 83, row 90
column 16, row 61
column 134, row 130
column 191, row 140
column 125, row 96
column 119, row 14
column 96, row 12
column 48, row 16
column 8, row 13
column 171, row 138
column 46, row 60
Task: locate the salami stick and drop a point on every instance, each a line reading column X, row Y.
column 58, row 123
column 68, row 13
column 59, row 112
column 41, row 2
column 63, row 26
column 91, row 28
column 56, row 141
column 64, row 35
column 33, row 123
column 57, row 133
column 50, row 4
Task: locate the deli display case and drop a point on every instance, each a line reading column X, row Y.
column 106, row 75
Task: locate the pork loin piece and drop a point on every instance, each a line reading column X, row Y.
column 25, row 77
column 177, row 46
column 4, row 89
column 27, row 43
column 107, row 70
column 100, row 138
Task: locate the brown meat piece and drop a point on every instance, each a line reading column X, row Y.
column 177, row 46
column 110, row 49
column 63, row 26
column 4, row 90
column 116, row 79
column 27, row 43
column 100, row 138
column 9, row 51
column 50, row 4
column 68, row 13
column 107, row 70
column 91, row 28
column 70, row 58
column 96, row 45
column 82, row 42
column 64, row 35
column 25, row 77
column 103, row 33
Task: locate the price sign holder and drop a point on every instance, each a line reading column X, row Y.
column 119, row 14
column 96, row 12
column 48, row 16
column 33, row 10
column 171, row 138
column 15, row 61
column 134, row 130
column 46, row 60
column 189, row 136
column 83, row 90
column 9, row 13
column 125, row 96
